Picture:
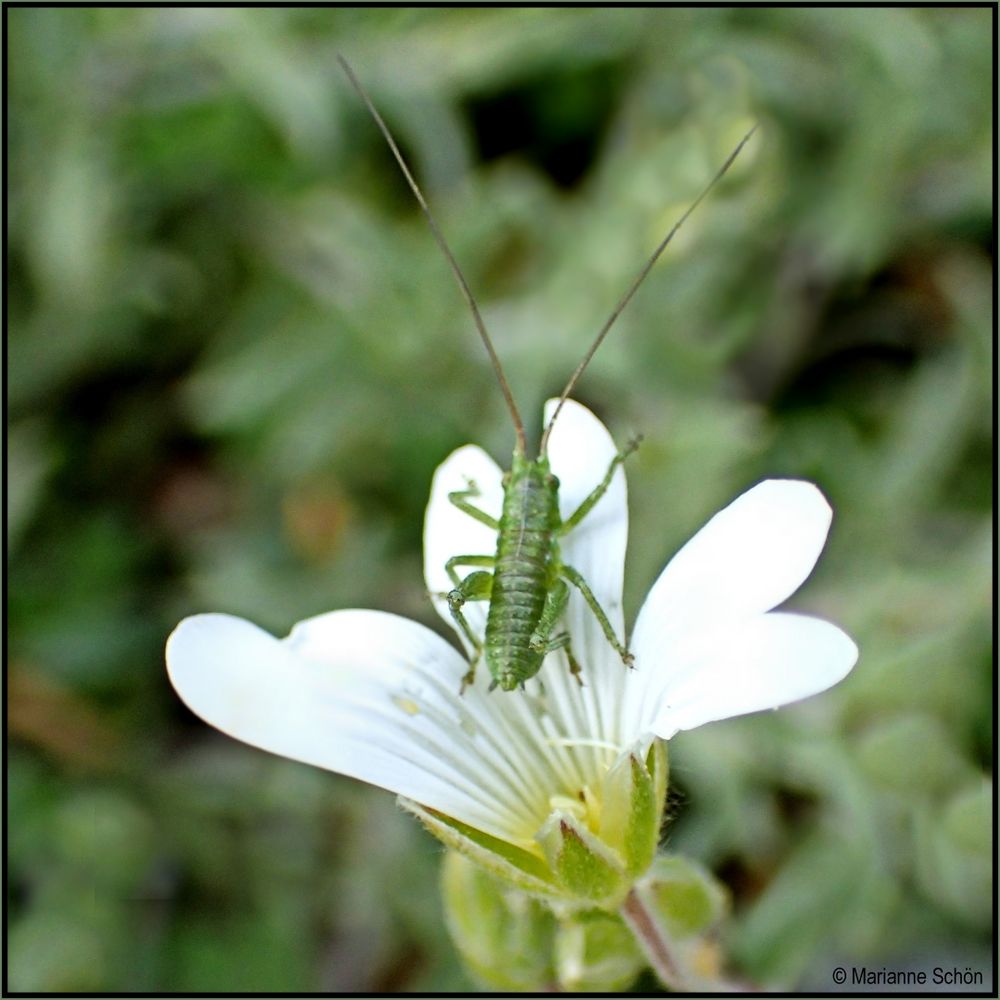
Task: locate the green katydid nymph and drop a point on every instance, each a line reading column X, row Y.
column 524, row 579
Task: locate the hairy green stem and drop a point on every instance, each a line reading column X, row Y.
column 654, row 942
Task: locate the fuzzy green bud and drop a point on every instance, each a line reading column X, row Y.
column 686, row 898
column 505, row 937
column 510, row 941
column 595, row 952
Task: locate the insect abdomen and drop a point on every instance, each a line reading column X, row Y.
column 522, row 572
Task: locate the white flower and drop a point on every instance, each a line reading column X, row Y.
column 376, row 697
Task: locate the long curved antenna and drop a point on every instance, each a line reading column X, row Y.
column 626, row 298
column 442, row 243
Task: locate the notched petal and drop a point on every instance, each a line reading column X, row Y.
column 764, row 662
column 366, row 694
column 746, row 560
column 218, row 664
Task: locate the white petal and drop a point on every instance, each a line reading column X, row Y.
column 762, row 662
column 749, row 558
column 580, row 452
column 450, row 532
column 363, row 693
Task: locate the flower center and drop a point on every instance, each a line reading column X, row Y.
column 585, row 807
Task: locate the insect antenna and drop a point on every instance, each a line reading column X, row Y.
column 442, row 243
column 633, row 288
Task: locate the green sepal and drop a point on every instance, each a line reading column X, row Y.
column 683, row 896
column 513, row 864
column 657, row 764
column 587, row 869
column 505, row 937
column 595, row 952
column 633, row 797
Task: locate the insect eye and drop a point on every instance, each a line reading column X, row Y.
column 552, row 481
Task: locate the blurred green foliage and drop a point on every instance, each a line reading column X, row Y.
column 236, row 357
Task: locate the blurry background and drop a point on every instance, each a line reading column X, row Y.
column 236, row 357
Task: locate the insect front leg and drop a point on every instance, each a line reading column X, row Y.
column 576, row 578
column 600, row 489
column 476, row 586
column 460, row 498
column 542, row 640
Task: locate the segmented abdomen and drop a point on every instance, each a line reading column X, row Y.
column 525, row 546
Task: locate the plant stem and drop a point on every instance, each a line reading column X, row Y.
column 654, row 942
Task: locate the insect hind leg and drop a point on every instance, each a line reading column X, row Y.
column 576, row 578
column 542, row 640
column 561, row 641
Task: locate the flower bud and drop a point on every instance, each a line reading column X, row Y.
column 510, row 941
column 686, row 898
column 505, row 937
column 673, row 911
column 596, row 953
